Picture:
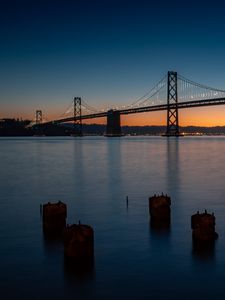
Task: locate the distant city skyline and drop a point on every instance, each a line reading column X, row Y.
column 109, row 53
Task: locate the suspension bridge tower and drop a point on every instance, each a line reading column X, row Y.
column 172, row 105
column 38, row 118
column 77, row 114
column 38, row 128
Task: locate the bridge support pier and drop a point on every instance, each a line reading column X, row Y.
column 172, row 107
column 113, row 123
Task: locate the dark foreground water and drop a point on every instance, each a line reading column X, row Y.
column 94, row 176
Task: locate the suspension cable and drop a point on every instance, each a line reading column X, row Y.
column 146, row 94
column 182, row 78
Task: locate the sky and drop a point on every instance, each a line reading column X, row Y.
column 109, row 53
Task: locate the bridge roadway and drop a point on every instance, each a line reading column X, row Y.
column 180, row 105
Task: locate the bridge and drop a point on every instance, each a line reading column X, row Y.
column 172, row 93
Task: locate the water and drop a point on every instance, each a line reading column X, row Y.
column 94, row 176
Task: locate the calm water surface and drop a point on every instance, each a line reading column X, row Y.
column 94, row 176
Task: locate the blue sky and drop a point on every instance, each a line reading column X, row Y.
column 108, row 52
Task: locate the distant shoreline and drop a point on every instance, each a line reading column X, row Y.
column 15, row 128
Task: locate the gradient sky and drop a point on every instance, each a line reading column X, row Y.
column 109, row 53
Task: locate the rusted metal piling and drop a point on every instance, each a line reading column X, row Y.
column 203, row 227
column 78, row 242
column 54, row 217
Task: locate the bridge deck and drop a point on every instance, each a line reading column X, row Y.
column 180, row 105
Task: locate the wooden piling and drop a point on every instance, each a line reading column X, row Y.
column 203, row 227
column 159, row 207
column 78, row 242
column 54, row 217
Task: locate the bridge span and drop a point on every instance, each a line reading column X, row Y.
column 198, row 95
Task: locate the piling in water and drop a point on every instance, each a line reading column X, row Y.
column 159, row 207
column 54, row 217
column 78, row 242
column 203, row 227
column 127, row 201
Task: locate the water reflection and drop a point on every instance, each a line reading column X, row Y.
column 173, row 174
column 79, row 270
column 78, row 160
column 160, row 228
column 159, row 234
column 204, row 251
column 114, row 164
column 114, row 183
column 53, row 244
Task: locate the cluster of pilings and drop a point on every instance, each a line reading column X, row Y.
column 202, row 224
column 78, row 238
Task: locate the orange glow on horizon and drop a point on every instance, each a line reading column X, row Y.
column 205, row 116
